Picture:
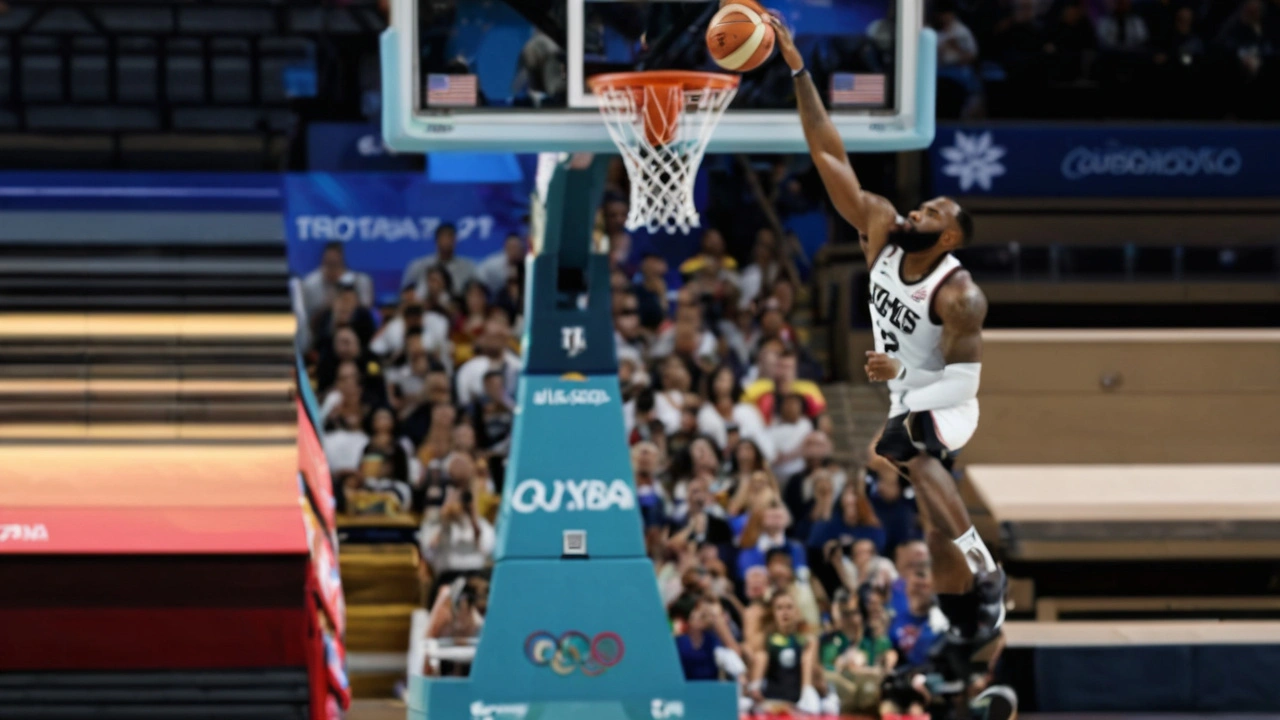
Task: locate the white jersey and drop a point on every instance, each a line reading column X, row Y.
column 904, row 324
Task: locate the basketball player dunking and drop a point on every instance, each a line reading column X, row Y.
column 927, row 314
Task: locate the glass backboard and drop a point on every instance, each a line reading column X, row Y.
column 510, row 75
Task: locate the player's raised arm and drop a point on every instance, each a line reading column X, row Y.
column 962, row 308
column 870, row 213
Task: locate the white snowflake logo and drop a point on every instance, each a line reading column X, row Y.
column 974, row 160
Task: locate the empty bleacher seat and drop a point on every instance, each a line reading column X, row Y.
column 6, row 68
column 184, row 72
column 232, row 72
column 63, row 21
column 206, row 20
column 98, row 118
column 244, row 119
column 41, row 69
column 137, row 71
column 278, row 56
column 89, row 70
column 155, row 19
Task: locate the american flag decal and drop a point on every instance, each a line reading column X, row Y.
column 857, row 89
column 451, row 90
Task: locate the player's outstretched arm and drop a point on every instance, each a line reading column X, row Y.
column 962, row 308
column 870, row 213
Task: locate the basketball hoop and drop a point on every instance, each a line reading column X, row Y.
column 661, row 121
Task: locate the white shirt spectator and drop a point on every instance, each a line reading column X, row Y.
column 493, row 272
column 457, row 549
column 956, row 44
column 344, row 448
column 461, row 270
column 470, row 379
column 787, row 438
column 750, row 427
column 1135, row 33
column 435, row 337
column 317, row 293
column 753, row 281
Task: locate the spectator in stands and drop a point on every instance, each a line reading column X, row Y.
column 615, row 235
column 344, row 311
column 1070, row 43
column 895, row 508
column 494, row 355
column 495, row 270
column 914, row 630
column 457, row 616
column 459, row 540
column 628, row 333
column 1250, row 47
column 493, row 415
column 387, row 456
column 436, row 292
column 957, row 52
column 761, row 273
column 853, row 660
column 1122, row 30
column 321, row 285
column 854, row 520
column 431, row 328
column 784, row 665
column 698, row 519
column 461, row 270
column 772, row 534
column 723, row 393
column 788, row 432
column 706, row 638
column 651, row 291
column 751, row 498
column 779, row 377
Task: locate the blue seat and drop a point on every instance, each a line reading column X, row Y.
column 90, row 70
column 184, row 72
column 42, row 70
column 137, row 71
column 232, row 73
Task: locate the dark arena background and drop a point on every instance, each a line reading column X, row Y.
column 288, row 404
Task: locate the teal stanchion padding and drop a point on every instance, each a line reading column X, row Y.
column 575, row 628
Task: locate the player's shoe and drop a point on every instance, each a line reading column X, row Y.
column 998, row 702
column 976, row 616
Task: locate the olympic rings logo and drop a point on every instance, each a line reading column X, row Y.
column 574, row 651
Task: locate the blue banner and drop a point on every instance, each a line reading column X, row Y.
column 339, row 147
column 1101, row 161
column 387, row 220
column 140, row 192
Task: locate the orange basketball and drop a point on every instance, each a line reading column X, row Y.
column 740, row 37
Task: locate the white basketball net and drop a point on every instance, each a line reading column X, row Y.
column 662, row 176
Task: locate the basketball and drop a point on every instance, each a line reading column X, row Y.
column 740, row 37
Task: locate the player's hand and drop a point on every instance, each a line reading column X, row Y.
column 881, row 367
column 786, row 43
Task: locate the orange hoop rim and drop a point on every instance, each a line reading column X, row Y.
column 687, row 79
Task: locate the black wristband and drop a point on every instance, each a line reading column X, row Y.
column 795, row 74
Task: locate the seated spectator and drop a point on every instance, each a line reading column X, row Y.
column 914, row 630
column 761, row 273
column 1121, row 29
column 459, row 541
column 430, row 328
column 470, row 323
column 434, row 454
column 344, row 311
column 894, row 507
column 751, row 498
column 495, row 270
column 785, row 665
column 387, row 456
column 436, row 292
column 769, row 533
column 819, row 505
column 912, row 559
column 408, row 381
column 783, row 380
column 755, row 595
column 809, row 597
column 730, row 489
column 320, row 286
column 1070, row 43
column 854, row 520
column 458, row 616
column 651, row 492
column 723, row 394
column 867, row 567
column 628, row 334
column 651, row 291
column 788, row 431
column 494, row 356
column 461, row 270
column 705, row 640
column 797, row 491
column 853, row 660
column 698, row 519
column 957, row 52
column 493, row 415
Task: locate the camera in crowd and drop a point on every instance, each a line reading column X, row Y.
column 952, row 685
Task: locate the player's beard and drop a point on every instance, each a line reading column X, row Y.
column 912, row 240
